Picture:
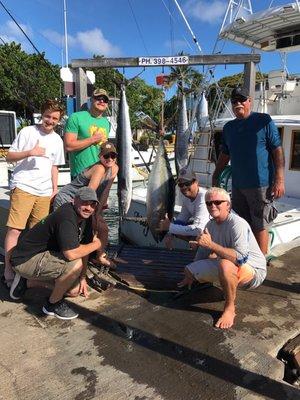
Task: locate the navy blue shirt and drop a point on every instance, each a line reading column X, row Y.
column 249, row 142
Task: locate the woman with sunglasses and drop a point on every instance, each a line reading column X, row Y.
column 99, row 177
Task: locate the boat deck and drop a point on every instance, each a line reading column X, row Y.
column 136, row 345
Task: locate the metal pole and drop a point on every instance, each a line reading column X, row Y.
column 188, row 25
column 66, row 33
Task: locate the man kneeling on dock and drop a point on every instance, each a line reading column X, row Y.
column 55, row 253
column 227, row 252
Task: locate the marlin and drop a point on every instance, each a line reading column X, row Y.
column 182, row 136
column 160, row 192
column 124, row 140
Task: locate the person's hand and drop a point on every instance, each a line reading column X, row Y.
column 164, row 224
column 97, row 241
column 54, row 193
column 83, row 287
column 37, row 151
column 278, row 189
column 169, row 241
column 99, row 137
column 204, row 239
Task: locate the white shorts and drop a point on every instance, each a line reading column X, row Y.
column 207, row 270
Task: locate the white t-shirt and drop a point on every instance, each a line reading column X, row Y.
column 33, row 174
column 194, row 210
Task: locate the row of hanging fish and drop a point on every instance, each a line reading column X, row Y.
column 161, row 184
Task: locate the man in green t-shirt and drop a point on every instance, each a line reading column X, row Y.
column 85, row 132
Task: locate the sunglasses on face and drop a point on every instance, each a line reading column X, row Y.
column 113, row 156
column 215, row 202
column 239, row 100
column 101, row 98
column 185, row 184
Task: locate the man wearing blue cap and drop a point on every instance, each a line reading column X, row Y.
column 54, row 254
column 253, row 145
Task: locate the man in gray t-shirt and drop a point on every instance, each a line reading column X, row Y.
column 227, row 252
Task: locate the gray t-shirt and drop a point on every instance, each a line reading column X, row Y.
column 68, row 192
column 235, row 233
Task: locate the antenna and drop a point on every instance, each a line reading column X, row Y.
column 66, row 34
column 236, row 9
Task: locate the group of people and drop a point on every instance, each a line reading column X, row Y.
column 52, row 250
column 231, row 245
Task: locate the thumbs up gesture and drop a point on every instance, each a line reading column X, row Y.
column 37, row 151
column 204, row 239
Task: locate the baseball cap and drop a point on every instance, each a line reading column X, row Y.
column 107, row 147
column 239, row 93
column 186, row 176
column 86, row 194
column 100, row 92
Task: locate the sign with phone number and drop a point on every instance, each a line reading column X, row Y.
column 156, row 61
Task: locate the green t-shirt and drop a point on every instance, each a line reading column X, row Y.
column 85, row 125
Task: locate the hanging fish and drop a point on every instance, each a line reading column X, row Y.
column 182, row 136
column 124, row 140
column 160, row 192
column 202, row 112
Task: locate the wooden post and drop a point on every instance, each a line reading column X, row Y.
column 80, row 87
column 250, row 78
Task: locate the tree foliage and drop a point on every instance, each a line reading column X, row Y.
column 26, row 80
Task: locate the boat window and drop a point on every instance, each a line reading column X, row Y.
column 295, row 159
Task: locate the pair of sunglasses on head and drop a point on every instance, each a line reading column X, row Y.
column 239, row 100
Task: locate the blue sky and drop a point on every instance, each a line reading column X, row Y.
column 127, row 28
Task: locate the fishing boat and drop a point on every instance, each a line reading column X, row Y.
column 279, row 96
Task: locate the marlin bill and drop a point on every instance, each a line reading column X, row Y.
column 124, row 140
column 160, row 192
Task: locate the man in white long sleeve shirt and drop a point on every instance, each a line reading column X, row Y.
column 193, row 216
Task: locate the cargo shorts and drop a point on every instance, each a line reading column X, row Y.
column 26, row 209
column 255, row 205
column 46, row 266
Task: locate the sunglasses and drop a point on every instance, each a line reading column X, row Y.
column 113, row 156
column 215, row 202
column 101, row 98
column 239, row 100
column 185, row 184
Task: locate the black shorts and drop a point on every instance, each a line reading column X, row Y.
column 255, row 205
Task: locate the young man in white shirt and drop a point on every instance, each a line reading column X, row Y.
column 37, row 151
column 193, row 216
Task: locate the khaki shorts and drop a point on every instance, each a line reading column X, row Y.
column 207, row 270
column 45, row 266
column 26, row 209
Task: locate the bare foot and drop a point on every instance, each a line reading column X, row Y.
column 227, row 319
column 187, row 281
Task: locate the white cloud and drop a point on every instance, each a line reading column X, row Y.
column 91, row 42
column 10, row 32
column 206, row 11
column 57, row 38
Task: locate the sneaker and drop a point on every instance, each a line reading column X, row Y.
column 60, row 310
column 18, row 287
